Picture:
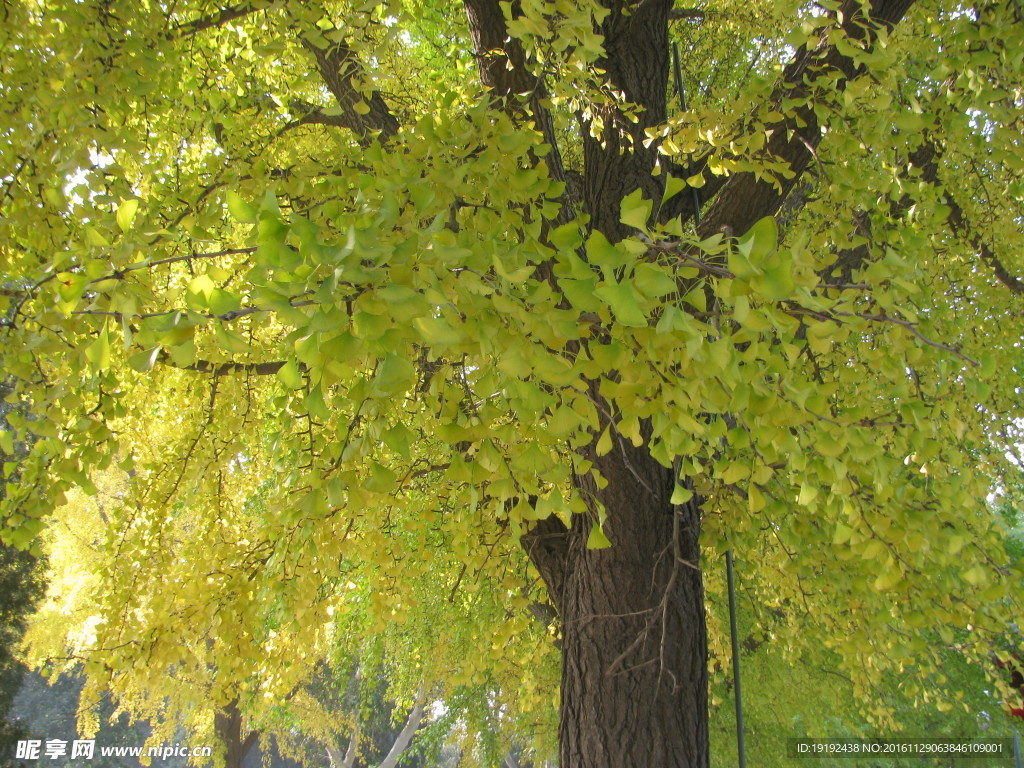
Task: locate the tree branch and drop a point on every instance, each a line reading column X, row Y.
column 850, row 260
column 744, row 199
column 364, row 113
column 961, row 227
column 693, row 14
column 547, row 546
column 681, row 204
column 925, row 160
column 621, row 159
column 503, row 69
column 227, row 317
column 219, row 369
column 314, row 115
column 352, row 752
column 249, row 743
column 217, row 19
column 119, row 274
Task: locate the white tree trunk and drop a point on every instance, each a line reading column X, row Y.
column 405, row 737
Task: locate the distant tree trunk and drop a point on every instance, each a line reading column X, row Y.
column 337, row 759
column 398, row 747
column 227, row 725
column 404, row 738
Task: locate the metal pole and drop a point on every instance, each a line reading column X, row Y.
column 682, row 103
column 1016, row 749
column 736, row 660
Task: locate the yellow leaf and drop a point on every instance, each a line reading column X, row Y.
column 808, row 493
column 681, row 495
column 735, row 472
column 976, row 576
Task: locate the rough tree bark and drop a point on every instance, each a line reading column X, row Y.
column 227, row 724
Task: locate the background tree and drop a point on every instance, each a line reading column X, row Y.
column 321, row 707
column 786, row 698
column 21, row 587
column 264, row 243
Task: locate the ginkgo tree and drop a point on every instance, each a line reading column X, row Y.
column 241, row 663
column 472, row 269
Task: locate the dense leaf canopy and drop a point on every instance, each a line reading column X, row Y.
column 334, row 301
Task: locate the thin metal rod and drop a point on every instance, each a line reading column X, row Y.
column 678, row 71
column 1016, row 749
column 736, row 659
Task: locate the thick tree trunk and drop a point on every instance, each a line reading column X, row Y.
column 634, row 679
column 227, row 724
column 634, row 648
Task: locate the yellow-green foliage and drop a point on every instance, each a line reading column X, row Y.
column 324, row 378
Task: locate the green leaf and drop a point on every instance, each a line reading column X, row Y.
column 759, row 241
column 395, row 375
column 888, row 578
column 240, row 210
column 673, row 186
column 315, row 405
column 603, row 254
column 624, row 302
column 369, row 326
column 976, row 576
column 680, row 495
column 145, row 360
column 597, row 538
column 342, row 347
column 126, row 213
column 554, row 369
column 94, row 237
column 381, row 480
column 808, row 493
column 634, row 210
column 7, row 442
column 71, row 285
column 843, row 534
column 198, row 291
column 735, row 472
column 437, row 331
column 230, row 341
column 400, row 439
column 652, row 280
column 580, row 293
column 741, row 266
column 566, row 237
column 403, row 302
column 221, row 302
column 98, row 353
column 776, row 283
column 290, row 375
